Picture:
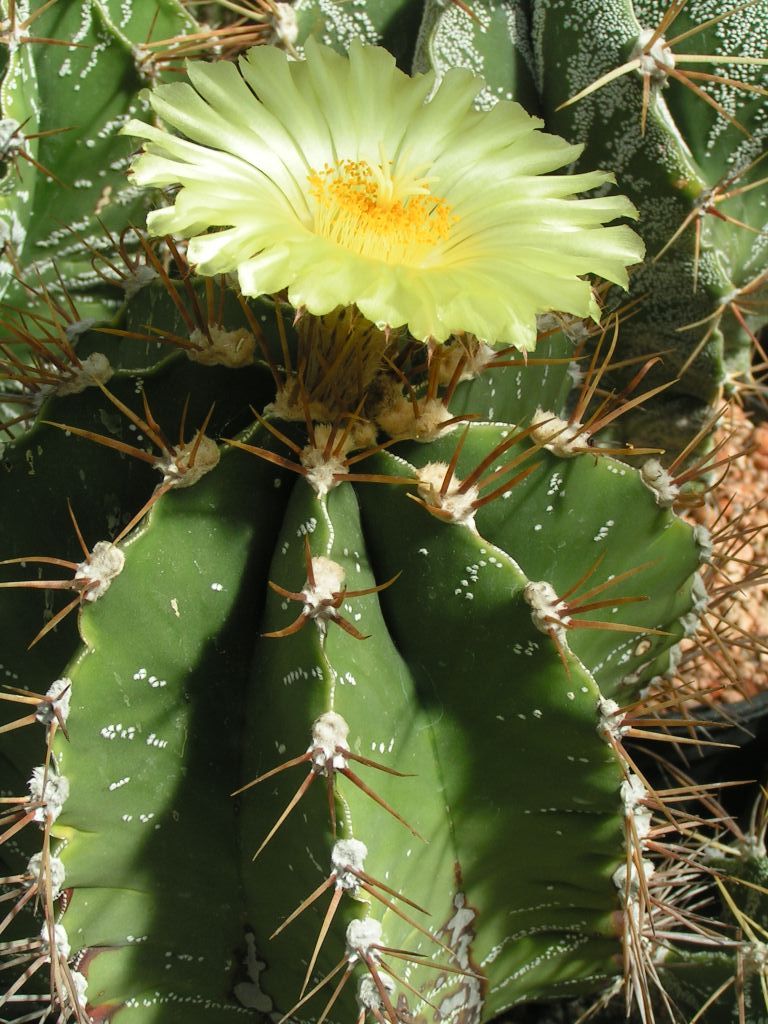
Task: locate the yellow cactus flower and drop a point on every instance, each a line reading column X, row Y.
column 349, row 183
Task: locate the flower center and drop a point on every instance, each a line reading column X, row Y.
column 377, row 213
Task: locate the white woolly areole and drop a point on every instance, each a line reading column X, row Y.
column 699, row 595
column 80, row 985
column 329, row 581
column 134, row 282
column 453, row 505
column 549, row 613
column 322, row 469
column 368, row 997
column 658, row 52
column 105, row 563
column 558, row 436
column 285, row 27
column 348, row 855
column 177, row 466
column 52, row 796
column 633, row 795
column 611, row 719
column 11, row 136
column 660, row 483
column 674, row 657
column 755, row 956
column 423, row 423
column 74, row 329
column 703, row 539
column 576, row 374
column 362, row 933
column 56, row 705
column 222, row 348
column 60, row 940
column 329, row 733
column 94, row 369
column 286, row 405
column 619, row 878
column 55, row 875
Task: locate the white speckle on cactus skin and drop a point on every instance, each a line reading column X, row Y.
column 602, row 532
column 308, row 527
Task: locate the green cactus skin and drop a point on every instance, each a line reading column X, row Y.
column 509, row 742
column 90, row 89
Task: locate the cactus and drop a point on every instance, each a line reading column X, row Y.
column 683, row 128
column 304, row 548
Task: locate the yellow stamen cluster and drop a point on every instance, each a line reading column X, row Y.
column 372, row 212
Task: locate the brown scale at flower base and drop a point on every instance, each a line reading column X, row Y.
column 555, row 614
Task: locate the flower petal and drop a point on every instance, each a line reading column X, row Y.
column 350, row 183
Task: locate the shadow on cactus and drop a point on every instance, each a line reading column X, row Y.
column 370, row 613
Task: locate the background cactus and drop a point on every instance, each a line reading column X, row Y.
column 481, row 611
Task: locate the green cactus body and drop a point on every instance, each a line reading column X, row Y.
column 344, row 733
column 191, row 706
